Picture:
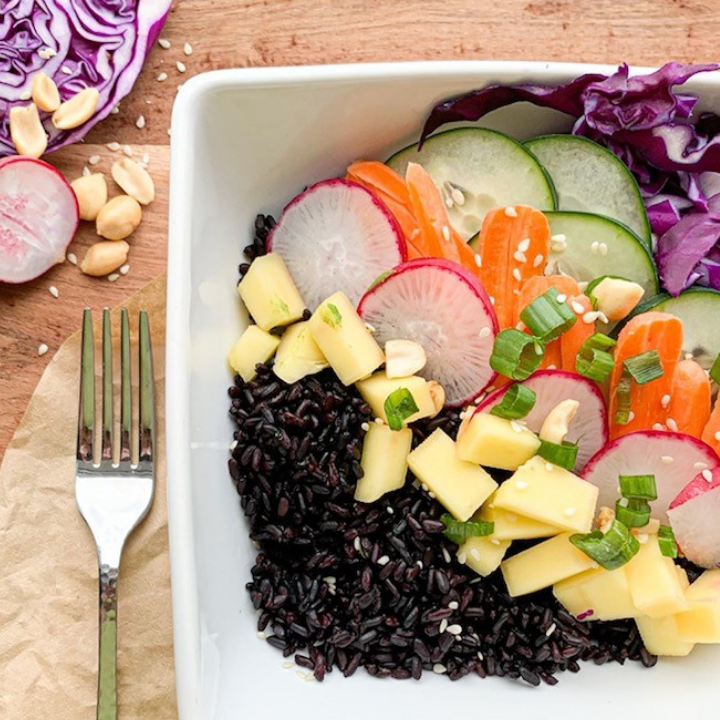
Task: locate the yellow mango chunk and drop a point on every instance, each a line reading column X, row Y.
column 550, row 494
column 483, row 554
column 661, row 636
column 254, row 346
column 298, row 355
column 496, row 442
column 461, row 487
column 701, row 623
column 269, row 293
column 343, row 338
column 384, row 462
column 377, row 387
column 655, row 585
column 511, row 526
column 598, row 595
column 543, row 565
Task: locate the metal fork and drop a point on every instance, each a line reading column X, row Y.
column 113, row 497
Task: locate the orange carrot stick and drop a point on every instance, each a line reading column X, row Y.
column 688, row 405
column 711, row 431
column 573, row 339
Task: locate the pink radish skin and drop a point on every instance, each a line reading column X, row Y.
column 444, row 308
column 336, row 235
column 38, row 218
column 695, row 519
column 589, row 426
column 673, row 458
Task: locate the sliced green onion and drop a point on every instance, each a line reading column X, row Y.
column 563, row 455
column 638, row 487
column 645, row 367
column 611, row 549
column 666, row 540
column 632, row 513
column 715, row 371
column 622, row 394
column 458, row 532
column 547, row 318
column 399, row 406
column 594, row 364
column 516, row 403
column 599, row 341
column 515, row 355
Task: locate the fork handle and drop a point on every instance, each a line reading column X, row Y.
column 107, row 655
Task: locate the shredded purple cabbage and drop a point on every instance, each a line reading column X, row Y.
column 78, row 43
column 650, row 127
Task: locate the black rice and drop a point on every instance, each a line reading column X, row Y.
column 341, row 584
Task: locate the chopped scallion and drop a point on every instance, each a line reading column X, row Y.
column 638, row 487
column 514, row 354
column 611, row 549
column 547, row 318
column 516, row 403
column 632, row 513
column 622, row 394
column 458, row 532
column 563, row 455
column 399, row 406
column 715, row 371
column 594, row 364
column 666, row 540
column 645, row 367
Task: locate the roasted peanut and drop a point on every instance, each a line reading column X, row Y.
column 77, row 110
column 134, row 180
column 104, row 257
column 118, row 218
column 92, row 193
column 403, row 358
column 26, row 130
column 617, row 298
column 556, row 424
column 45, row 93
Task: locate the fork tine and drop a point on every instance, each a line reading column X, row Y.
column 125, row 389
column 86, row 414
column 107, row 388
column 147, row 392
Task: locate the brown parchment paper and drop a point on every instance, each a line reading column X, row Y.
column 48, row 562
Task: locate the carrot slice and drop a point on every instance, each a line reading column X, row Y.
column 649, row 331
column 573, row 339
column 513, row 245
column 711, row 431
column 688, row 409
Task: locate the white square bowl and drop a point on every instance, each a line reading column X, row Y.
column 243, row 142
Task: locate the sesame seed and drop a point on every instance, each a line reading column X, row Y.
column 146, row 158
column 602, row 317
column 446, row 555
column 590, row 317
column 115, row 110
column 495, row 541
column 113, row 277
column 672, row 425
column 475, row 554
column 114, row 146
column 42, row 349
column 310, row 677
column 462, row 558
column 480, row 656
column 539, row 349
column 665, row 400
column 443, row 625
column 25, row 95
column 287, row 664
column 384, row 560
column 516, row 291
column 65, row 70
column 570, row 511
column 558, row 238
column 164, row 44
column 478, row 260
column 454, row 629
column 446, row 233
column 187, row 48
column 492, row 300
column 262, row 635
column 431, row 495
column 419, row 563
column 86, row 171
column 127, row 150
column 453, row 605
column 510, row 211
column 631, row 416
column 47, row 53
column 550, row 630
column 356, row 543
column 524, row 245
column 93, row 160
column 180, row 66
column 425, row 487
column 390, row 510
column 520, row 484
column 72, row 258
column 516, row 426
column 140, row 122
column 667, row 459
column 561, row 298
column 594, row 247
column 370, row 328
column 439, row 668
column 578, row 308
column 54, row 291
column 551, row 367
column 457, row 197
column 516, row 274
column 538, row 260
column 484, row 332
column 717, row 436
column 169, row 132
column 519, row 256
column 603, row 248
column 162, row 77
column 378, row 421
column 365, row 426
column 700, row 465
column 707, row 474
column 233, row 445
column 448, row 202
column 300, row 674
column 549, row 467
column 658, row 426
column 689, row 356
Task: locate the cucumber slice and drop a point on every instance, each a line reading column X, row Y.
column 698, row 308
column 589, row 178
column 584, row 257
column 487, row 167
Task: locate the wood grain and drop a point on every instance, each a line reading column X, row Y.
column 233, row 33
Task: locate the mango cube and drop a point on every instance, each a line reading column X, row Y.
column 461, row 487
column 550, row 494
column 496, row 442
column 298, row 355
column 543, row 565
column 511, row 526
column 384, row 462
column 269, row 293
column 598, row 595
column 377, row 387
column 343, row 338
column 655, row 585
column 661, row 636
column 254, row 346
column 483, row 554
column 701, row 623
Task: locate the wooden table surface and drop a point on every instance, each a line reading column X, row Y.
column 245, row 33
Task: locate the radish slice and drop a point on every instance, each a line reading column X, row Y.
column 589, row 426
column 336, row 236
column 38, row 218
column 444, row 308
column 694, row 517
column 673, row 458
